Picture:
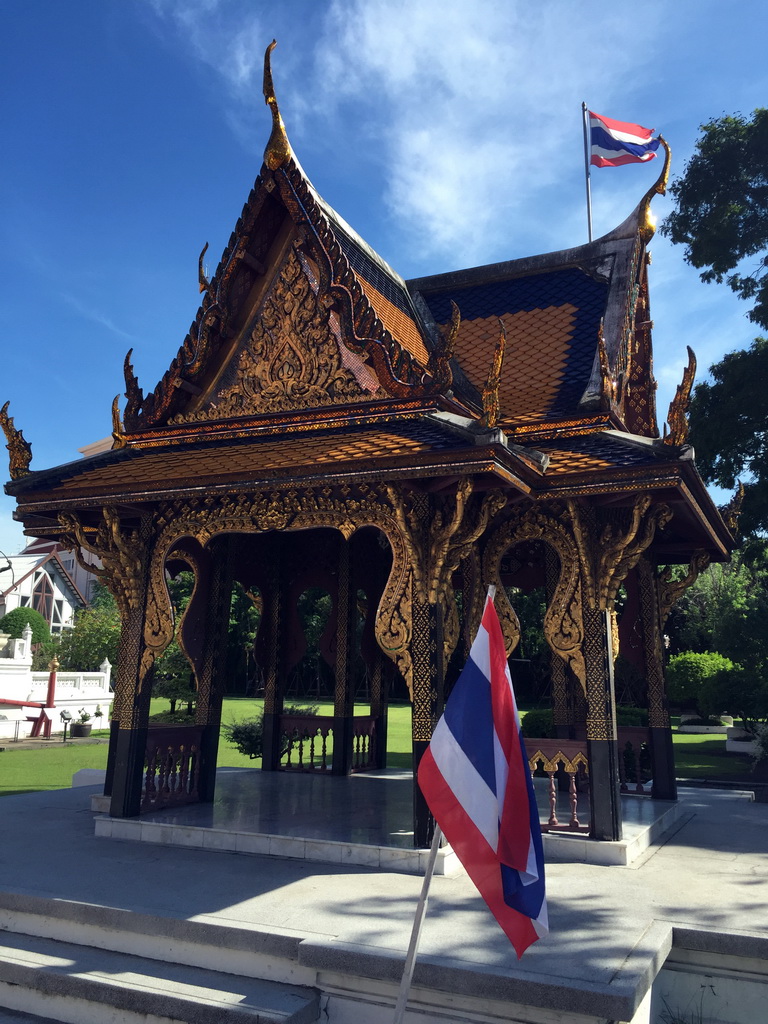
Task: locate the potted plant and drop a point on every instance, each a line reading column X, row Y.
column 81, row 726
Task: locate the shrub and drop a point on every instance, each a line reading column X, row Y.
column 687, row 674
column 634, row 717
column 247, row 734
column 539, row 723
column 14, row 622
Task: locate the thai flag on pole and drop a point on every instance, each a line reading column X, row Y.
column 477, row 783
column 618, row 142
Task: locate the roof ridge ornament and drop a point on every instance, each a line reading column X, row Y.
column 677, row 417
column 278, row 150
column 491, row 390
column 646, row 220
column 202, row 280
column 20, row 450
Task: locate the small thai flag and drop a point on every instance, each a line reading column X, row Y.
column 618, row 142
column 477, row 783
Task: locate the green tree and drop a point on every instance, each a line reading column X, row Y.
column 688, row 674
column 14, row 622
column 94, row 636
column 726, row 610
column 729, row 429
column 722, row 206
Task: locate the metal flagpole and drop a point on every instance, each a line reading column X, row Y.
column 586, row 168
column 413, row 947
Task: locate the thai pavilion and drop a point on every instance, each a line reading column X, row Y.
column 326, row 423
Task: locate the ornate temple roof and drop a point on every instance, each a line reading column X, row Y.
column 310, row 358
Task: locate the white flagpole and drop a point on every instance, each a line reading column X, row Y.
column 413, row 947
column 586, row 168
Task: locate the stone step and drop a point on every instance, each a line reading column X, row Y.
column 80, row 984
column 237, row 948
column 19, row 1017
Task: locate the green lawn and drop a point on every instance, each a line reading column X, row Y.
column 52, row 767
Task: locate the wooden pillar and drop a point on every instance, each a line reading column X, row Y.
column 344, row 690
column 211, row 681
column 662, row 752
column 274, row 674
column 428, row 673
column 602, row 746
column 128, row 741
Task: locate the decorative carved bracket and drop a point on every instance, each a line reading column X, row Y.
column 121, row 553
column 606, row 560
column 19, row 450
column 670, row 590
column 439, row 364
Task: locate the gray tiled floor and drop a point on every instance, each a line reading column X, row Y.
column 371, row 809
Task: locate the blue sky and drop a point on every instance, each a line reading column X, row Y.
column 447, row 133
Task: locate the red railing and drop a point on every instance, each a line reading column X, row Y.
column 306, row 743
column 171, row 766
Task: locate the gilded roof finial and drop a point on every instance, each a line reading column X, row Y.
column 278, row 149
column 491, row 389
column 20, row 450
column 118, row 435
column 732, row 510
column 646, row 220
column 203, row 281
column 677, row 417
column 440, row 358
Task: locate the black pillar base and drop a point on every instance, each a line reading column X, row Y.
column 663, row 765
column 343, row 737
column 604, row 793
column 381, row 742
column 114, row 728
column 270, row 743
column 209, row 748
column 423, row 822
column 127, row 781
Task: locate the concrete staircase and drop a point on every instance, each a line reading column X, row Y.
column 83, row 964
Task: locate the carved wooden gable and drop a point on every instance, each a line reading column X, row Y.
column 290, row 357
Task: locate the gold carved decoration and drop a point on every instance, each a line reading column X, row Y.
column 278, row 149
column 203, row 283
column 677, row 416
column 732, row 510
column 608, row 385
column 608, row 558
column 19, row 450
column 646, row 220
column 671, row 590
column 292, row 359
column 439, row 364
column 491, row 409
column 563, row 625
column 435, row 550
column 121, row 554
column 299, row 510
column 118, row 435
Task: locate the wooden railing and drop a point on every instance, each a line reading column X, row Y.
column 306, row 743
column 569, row 757
column 171, row 766
column 553, row 756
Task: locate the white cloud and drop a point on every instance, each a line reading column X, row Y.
column 95, row 316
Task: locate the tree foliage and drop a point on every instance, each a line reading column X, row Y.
column 94, row 637
column 688, row 673
column 14, row 622
column 726, row 610
column 722, row 206
column 729, row 429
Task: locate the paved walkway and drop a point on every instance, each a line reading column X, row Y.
column 607, row 923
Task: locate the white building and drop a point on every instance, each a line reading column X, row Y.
column 45, row 577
